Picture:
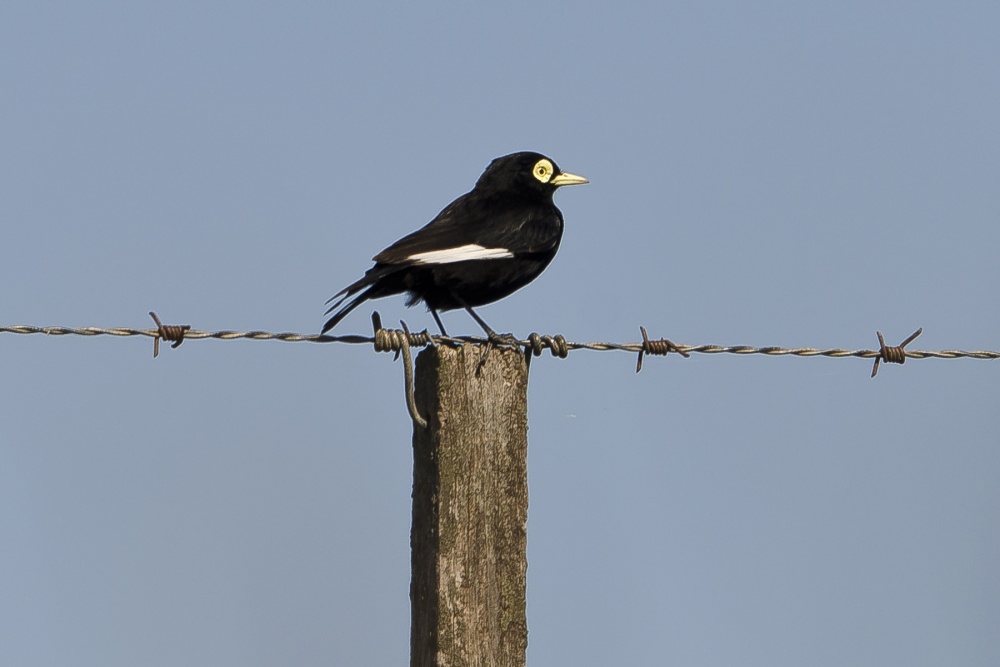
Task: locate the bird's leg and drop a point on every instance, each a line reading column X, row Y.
column 493, row 337
column 479, row 320
column 438, row 320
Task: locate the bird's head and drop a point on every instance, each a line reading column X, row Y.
column 527, row 174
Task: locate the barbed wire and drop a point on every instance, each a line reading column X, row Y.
column 535, row 344
column 401, row 340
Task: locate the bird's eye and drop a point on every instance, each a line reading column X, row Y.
column 543, row 170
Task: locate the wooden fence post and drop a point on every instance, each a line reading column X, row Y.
column 470, row 508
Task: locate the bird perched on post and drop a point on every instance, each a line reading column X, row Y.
column 483, row 246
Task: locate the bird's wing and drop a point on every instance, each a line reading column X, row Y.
column 528, row 231
column 469, row 232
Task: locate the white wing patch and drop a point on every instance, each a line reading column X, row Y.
column 459, row 254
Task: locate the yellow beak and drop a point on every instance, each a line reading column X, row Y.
column 568, row 179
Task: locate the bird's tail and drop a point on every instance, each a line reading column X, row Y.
column 342, row 311
column 377, row 282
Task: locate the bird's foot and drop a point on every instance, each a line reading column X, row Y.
column 502, row 340
column 496, row 341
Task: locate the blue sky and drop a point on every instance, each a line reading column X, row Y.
column 762, row 174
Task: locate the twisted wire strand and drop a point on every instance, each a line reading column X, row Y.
column 356, row 339
column 399, row 341
column 190, row 334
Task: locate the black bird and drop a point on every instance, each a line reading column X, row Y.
column 482, row 247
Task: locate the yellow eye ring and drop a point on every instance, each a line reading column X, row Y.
column 543, row 170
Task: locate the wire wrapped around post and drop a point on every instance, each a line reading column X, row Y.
column 537, row 343
column 394, row 340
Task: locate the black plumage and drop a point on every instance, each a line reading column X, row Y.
column 483, row 246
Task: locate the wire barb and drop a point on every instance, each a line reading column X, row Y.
column 892, row 355
column 172, row 333
column 656, row 347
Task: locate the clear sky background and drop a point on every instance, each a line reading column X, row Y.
column 771, row 173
